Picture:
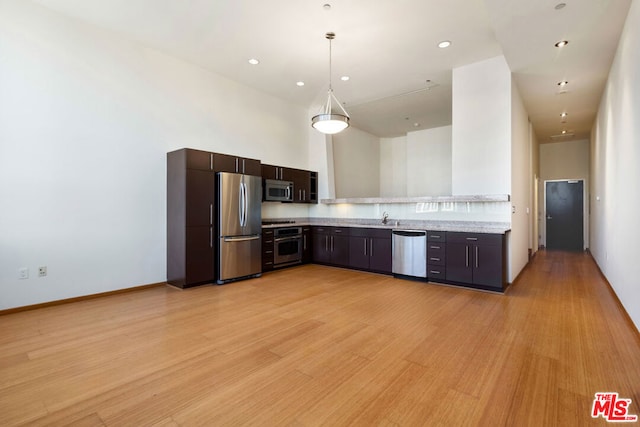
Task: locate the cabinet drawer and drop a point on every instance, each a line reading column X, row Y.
column 431, row 246
column 436, row 272
column 436, row 236
column 381, row 233
column 436, row 256
column 344, row 231
column 475, row 238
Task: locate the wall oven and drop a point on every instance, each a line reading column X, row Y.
column 287, row 246
column 278, row 191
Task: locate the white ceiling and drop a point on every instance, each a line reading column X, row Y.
column 389, row 50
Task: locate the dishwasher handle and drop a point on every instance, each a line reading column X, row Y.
column 410, row 233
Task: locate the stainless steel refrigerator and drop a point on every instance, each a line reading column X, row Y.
column 239, row 226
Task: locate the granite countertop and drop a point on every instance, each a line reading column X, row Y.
column 462, row 226
column 421, row 199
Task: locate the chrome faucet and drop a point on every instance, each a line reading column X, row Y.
column 385, row 215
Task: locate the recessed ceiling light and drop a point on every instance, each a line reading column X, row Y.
column 560, row 6
column 254, row 61
column 415, row 125
column 444, row 43
column 563, row 114
column 345, row 78
column 564, row 131
column 563, row 83
column 562, row 43
column 300, row 83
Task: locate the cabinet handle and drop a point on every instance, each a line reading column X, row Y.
column 304, row 242
column 211, row 237
column 472, row 238
column 211, row 161
column 331, row 243
column 477, row 261
column 338, row 231
column 435, row 247
column 434, row 237
column 210, row 213
column 299, row 194
column 365, row 247
column 371, row 251
column 434, row 259
column 244, row 169
column 304, row 194
column 466, row 253
column 326, row 243
column 434, row 272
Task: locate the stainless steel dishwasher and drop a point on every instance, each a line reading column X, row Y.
column 409, row 253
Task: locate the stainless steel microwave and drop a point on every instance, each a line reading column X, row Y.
column 278, row 191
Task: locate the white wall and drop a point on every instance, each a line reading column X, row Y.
column 481, row 139
column 86, row 120
column 356, row 162
column 428, row 164
column 520, row 186
column 560, row 161
column 393, row 167
column 534, row 168
column 615, row 171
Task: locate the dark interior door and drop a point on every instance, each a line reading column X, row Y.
column 565, row 204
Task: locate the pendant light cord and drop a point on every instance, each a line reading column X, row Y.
column 330, row 95
column 330, row 37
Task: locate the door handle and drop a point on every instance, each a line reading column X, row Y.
column 246, row 203
column 241, row 239
column 240, row 204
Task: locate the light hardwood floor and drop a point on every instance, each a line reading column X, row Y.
column 315, row 345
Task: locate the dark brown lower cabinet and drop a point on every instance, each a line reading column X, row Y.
column 476, row 259
column 330, row 245
column 267, row 249
column 307, row 242
column 436, row 255
column 370, row 249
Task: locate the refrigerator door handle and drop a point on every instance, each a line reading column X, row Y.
column 240, row 204
column 246, row 204
column 242, row 239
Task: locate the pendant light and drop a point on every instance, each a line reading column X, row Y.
column 328, row 121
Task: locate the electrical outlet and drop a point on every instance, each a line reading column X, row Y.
column 23, row 273
column 42, row 271
column 513, row 209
